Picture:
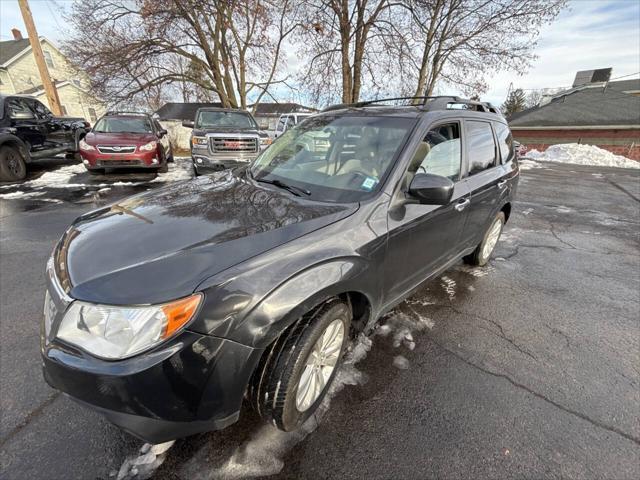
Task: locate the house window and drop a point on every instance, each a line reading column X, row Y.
column 92, row 114
column 48, row 58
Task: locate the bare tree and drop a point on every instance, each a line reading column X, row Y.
column 462, row 41
column 533, row 98
column 232, row 49
column 344, row 45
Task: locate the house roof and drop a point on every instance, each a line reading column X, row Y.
column 587, row 107
column 187, row 111
column 11, row 48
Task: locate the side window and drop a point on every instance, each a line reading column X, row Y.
column 505, row 142
column 439, row 152
column 481, row 148
column 18, row 108
column 92, row 114
column 41, row 110
column 48, row 58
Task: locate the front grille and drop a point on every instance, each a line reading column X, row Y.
column 234, row 144
column 113, row 163
column 116, row 148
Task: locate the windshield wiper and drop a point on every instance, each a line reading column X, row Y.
column 291, row 188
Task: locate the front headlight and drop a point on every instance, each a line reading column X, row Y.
column 85, row 146
column 114, row 332
column 199, row 141
column 149, row 146
column 265, row 142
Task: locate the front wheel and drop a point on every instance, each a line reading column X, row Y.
column 482, row 253
column 12, row 165
column 298, row 369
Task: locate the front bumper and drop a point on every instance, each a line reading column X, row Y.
column 145, row 159
column 191, row 384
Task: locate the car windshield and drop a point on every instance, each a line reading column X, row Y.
column 334, row 158
column 123, row 125
column 225, row 119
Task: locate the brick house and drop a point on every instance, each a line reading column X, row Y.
column 605, row 114
column 19, row 75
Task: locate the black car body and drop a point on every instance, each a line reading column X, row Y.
column 224, row 138
column 28, row 130
column 265, row 258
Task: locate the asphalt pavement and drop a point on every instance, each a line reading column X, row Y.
column 527, row 368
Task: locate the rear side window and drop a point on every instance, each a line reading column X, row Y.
column 481, row 147
column 505, row 142
column 18, row 108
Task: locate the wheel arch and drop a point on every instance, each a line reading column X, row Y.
column 14, row 141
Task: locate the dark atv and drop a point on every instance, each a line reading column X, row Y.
column 28, row 130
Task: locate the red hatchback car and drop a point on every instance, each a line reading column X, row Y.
column 126, row 140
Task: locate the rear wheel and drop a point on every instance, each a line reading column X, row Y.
column 482, row 253
column 12, row 165
column 296, row 372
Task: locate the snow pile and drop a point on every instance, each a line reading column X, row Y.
column 142, row 465
column 180, row 169
column 579, row 154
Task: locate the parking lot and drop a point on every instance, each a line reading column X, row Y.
column 528, row 367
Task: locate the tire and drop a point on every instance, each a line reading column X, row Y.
column 98, row 171
column 12, row 165
column 170, row 156
column 296, row 356
column 163, row 168
column 482, row 253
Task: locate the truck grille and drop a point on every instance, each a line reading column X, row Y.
column 234, row 144
column 116, row 148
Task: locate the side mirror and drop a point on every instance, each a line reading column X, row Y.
column 187, row 123
column 431, row 189
column 162, row 132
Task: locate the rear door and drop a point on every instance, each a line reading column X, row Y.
column 484, row 178
column 57, row 131
column 423, row 238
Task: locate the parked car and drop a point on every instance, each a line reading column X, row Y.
column 126, row 140
column 224, row 138
column 29, row 131
column 287, row 121
column 251, row 281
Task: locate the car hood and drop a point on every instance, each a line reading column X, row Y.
column 161, row 245
column 99, row 138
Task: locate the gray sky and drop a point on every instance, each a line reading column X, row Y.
column 590, row 34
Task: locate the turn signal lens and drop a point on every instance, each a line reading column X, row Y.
column 179, row 313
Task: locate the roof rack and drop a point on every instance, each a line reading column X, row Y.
column 443, row 102
column 123, row 112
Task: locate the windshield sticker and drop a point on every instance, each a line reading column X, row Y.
column 369, row 183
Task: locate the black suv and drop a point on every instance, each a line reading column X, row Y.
column 28, row 130
column 253, row 280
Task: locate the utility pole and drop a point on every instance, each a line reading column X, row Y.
column 36, row 48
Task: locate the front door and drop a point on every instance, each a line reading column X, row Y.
column 423, row 238
column 23, row 119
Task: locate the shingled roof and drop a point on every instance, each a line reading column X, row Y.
column 10, row 48
column 187, row 111
column 587, row 107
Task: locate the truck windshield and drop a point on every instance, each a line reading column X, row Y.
column 123, row 125
column 225, row 119
column 335, row 158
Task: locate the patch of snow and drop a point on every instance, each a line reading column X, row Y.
column 449, row 286
column 528, row 164
column 147, row 461
column 20, row 195
column 578, row 154
column 400, row 362
column 180, row 169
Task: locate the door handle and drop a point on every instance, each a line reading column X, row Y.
column 502, row 184
column 461, row 205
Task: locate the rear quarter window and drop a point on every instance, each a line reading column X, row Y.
column 505, row 142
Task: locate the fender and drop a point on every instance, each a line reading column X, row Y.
column 8, row 138
column 265, row 319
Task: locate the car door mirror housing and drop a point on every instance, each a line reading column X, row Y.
column 187, row 123
column 163, row 132
column 431, row 189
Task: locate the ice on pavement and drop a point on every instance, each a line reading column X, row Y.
column 400, row 362
column 579, row 154
column 147, row 461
